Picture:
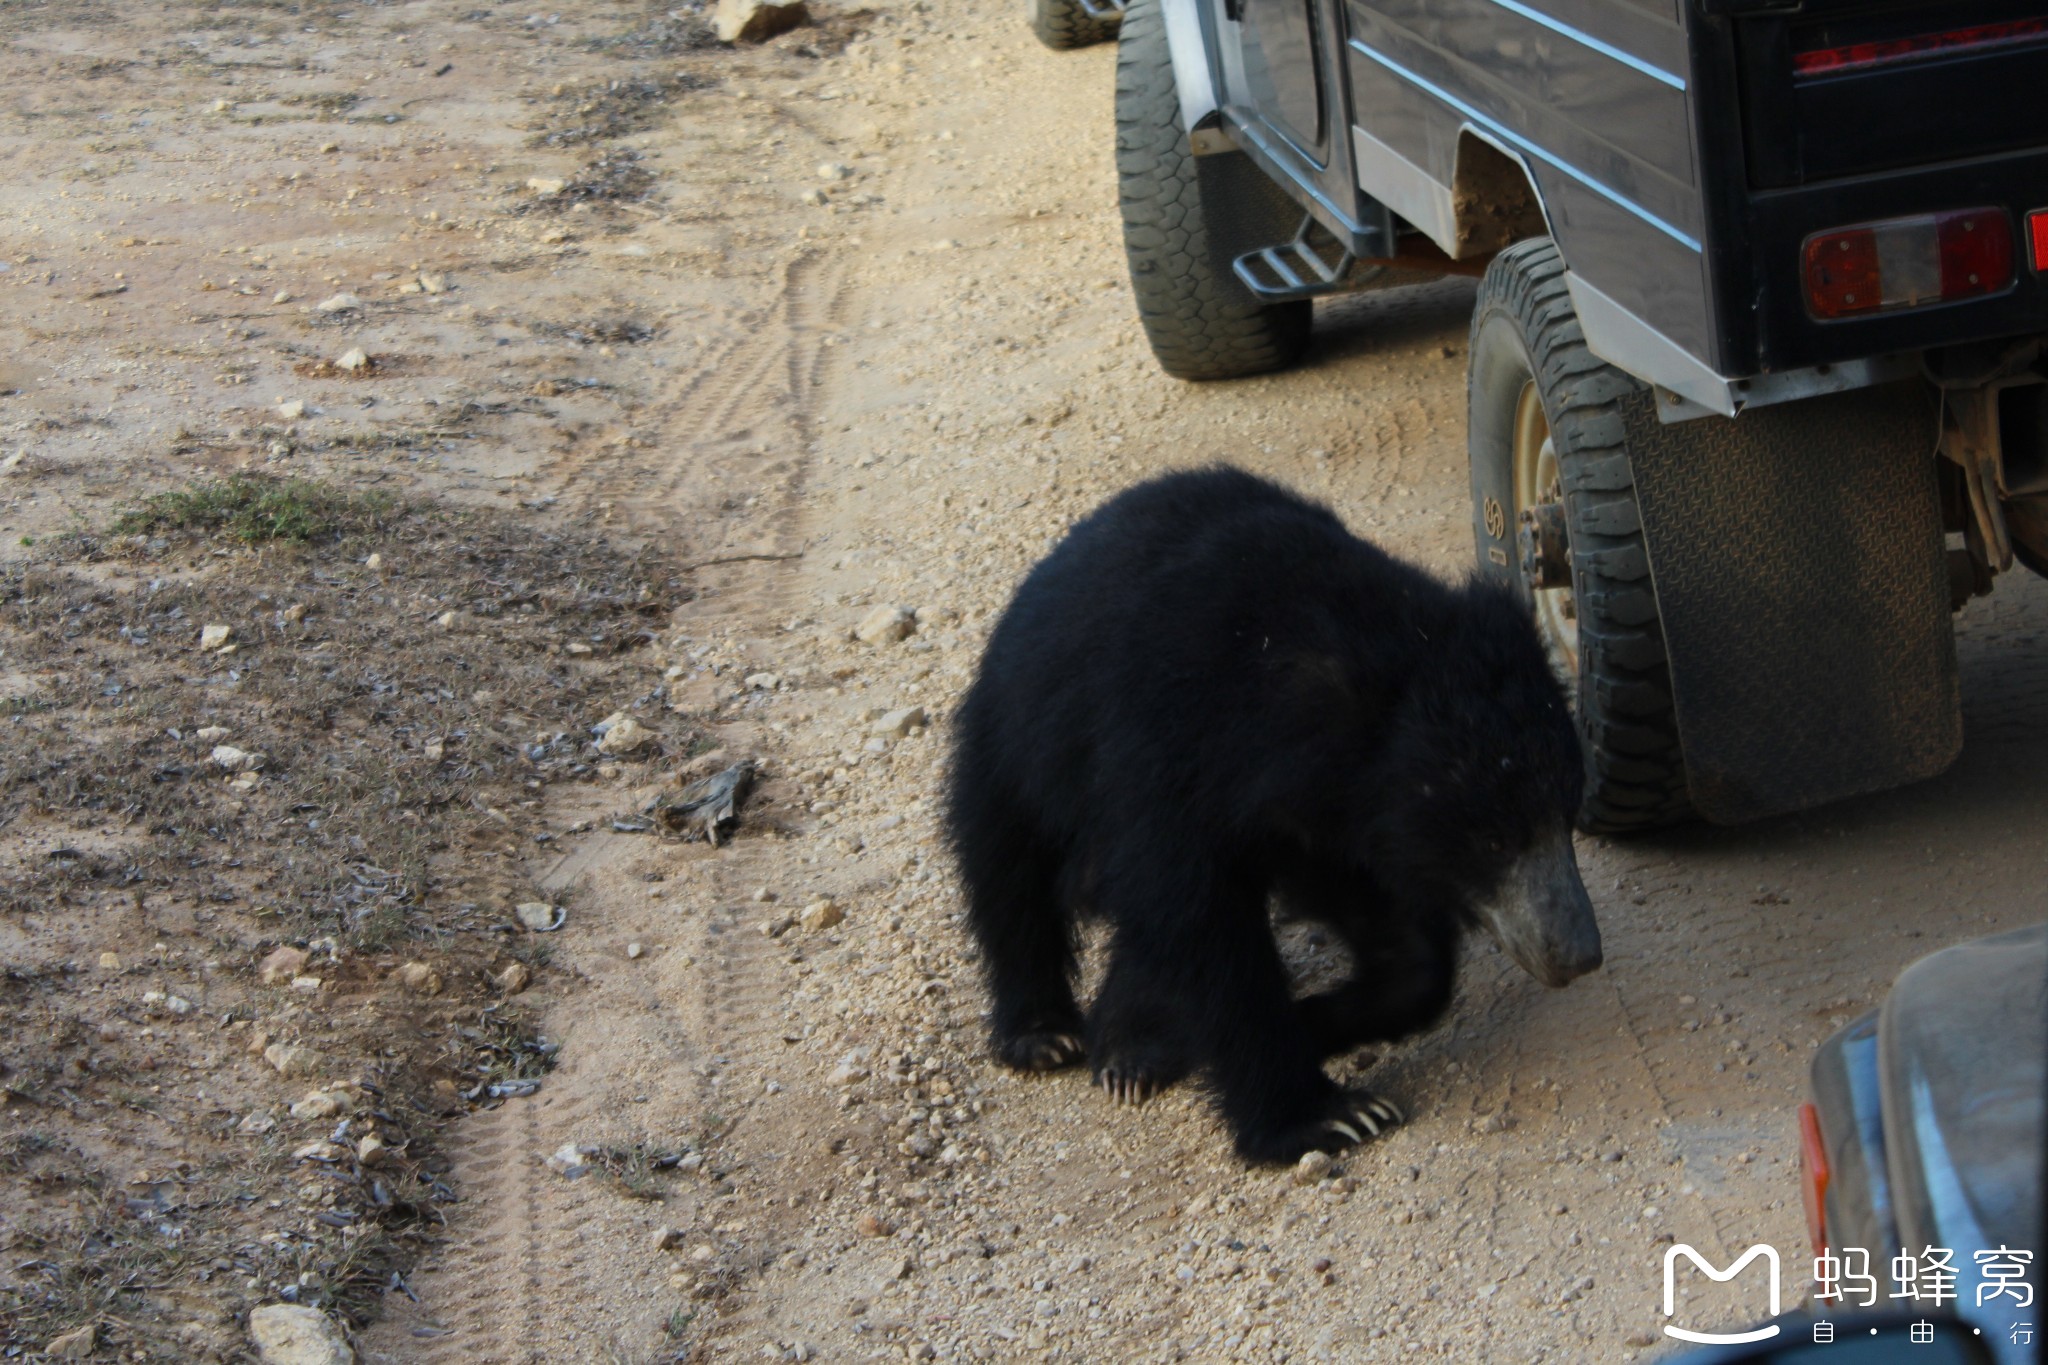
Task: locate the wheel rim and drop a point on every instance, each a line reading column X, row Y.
column 1537, row 481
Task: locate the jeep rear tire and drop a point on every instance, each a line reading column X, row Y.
column 1544, row 426
column 1064, row 24
column 1186, row 218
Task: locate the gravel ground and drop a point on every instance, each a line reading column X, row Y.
column 860, row 339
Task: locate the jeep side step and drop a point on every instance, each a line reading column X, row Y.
column 1315, row 262
column 1309, row 264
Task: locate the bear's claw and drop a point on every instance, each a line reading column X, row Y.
column 1041, row 1051
column 1127, row 1089
column 1060, row 1050
column 1347, row 1118
column 1369, row 1112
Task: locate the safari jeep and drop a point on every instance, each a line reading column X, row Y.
column 1756, row 373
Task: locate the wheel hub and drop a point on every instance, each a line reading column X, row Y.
column 1543, row 534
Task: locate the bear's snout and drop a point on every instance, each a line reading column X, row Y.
column 1541, row 915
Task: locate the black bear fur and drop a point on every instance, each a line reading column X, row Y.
column 1211, row 695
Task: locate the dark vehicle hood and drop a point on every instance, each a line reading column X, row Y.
column 1963, row 1053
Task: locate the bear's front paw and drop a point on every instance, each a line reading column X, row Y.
column 1129, row 1084
column 1347, row 1119
column 1039, row 1050
column 1133, row 1073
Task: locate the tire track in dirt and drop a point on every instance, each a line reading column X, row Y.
column 517, row 1281
column 733, row 428
column 502, row 1251
column 738, row 1010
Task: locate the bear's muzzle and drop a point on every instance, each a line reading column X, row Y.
column 1541, row 915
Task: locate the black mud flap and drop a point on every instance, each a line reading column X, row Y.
column 1801, row 575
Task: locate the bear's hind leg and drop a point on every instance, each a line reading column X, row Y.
column 1015, row 911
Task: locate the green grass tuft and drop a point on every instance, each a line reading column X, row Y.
column 255, row 509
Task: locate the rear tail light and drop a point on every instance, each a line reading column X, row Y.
column 1813, row 1177
column 1839, row 61
column 1907, row 263
column 2037, row 237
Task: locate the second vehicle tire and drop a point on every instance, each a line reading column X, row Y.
column 1186, row 218
column 1064, row 24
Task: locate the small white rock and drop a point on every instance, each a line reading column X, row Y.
column 214, row 636
column 228, row 758
column 76, row 1344
column 419, row 978
column 821, row 914
column 545, row 184
column 354, row 360
column 898, row 723
column 292, row 409
column 339, row 303
column 753, row 21
column 375, row 563
column 290, row 1059
column 625, row 736
column 1312, row 1167
column 292, row 1334
column 635, row 951
column 540, row 916
column 568, row 1160
column 281, row 964
column 211, row 734
column 317, row 1105
column 835, row 170
column 885, row 625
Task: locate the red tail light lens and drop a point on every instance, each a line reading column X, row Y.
column 1814, row 1177
column 2037, row 237
column 1907, row 263
column 1839, row 61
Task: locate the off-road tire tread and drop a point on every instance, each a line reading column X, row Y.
column 1200, row 319
column 1063, row 25
column 1635, row 767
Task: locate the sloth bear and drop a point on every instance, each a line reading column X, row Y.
column 1209, row 695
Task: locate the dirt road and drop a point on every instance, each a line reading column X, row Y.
column 842, row 323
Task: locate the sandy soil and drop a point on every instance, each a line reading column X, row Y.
column 898, row 395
